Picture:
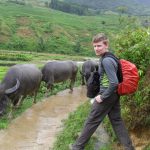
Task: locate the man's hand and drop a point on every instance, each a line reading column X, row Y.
column 98, row 98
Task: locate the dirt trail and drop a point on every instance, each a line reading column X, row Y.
column 36, row 128
column 141, row 138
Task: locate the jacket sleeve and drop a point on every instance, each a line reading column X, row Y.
column 110, row 67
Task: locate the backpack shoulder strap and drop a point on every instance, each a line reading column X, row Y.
column 119, row 71
column 109, row 54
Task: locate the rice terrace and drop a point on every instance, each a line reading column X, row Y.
column 51, row 116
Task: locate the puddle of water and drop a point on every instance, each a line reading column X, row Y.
column 36, row 128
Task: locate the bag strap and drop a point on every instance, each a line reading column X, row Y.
column 119, row 71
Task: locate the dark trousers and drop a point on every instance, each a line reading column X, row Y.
column 110, row 107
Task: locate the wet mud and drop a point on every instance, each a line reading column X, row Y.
column 36, row 128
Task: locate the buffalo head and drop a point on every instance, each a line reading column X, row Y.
column 93, row 84
column 4, row 95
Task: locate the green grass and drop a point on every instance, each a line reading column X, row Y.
column 28, row 102
column 147, row 147
column 16, row 57
column 107, row 147
column 3, row 70
column 39, row 59
column 46, row 30
column 72, row 126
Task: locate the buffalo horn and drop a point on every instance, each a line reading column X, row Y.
column 14, row 88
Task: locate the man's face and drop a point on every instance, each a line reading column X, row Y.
column 100, row 48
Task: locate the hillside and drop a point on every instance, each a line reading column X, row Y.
column 144, row 2
column 28, row 28
column 94, row 7
column 136, row 7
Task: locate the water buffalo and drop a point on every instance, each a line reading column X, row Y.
column 88, row 67
column 58, row 71
column 93, row 84
column 20, row 80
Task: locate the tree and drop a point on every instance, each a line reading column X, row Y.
column 53, row 4
column 122, row 10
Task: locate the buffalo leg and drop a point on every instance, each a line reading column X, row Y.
column 16, row 100
column 71, row 85
column 35, row 94
column 21, row 99
column 83, row 82
column 11, row 111
column 49, row 89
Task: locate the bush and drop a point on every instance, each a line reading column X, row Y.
column 15, row 57
column 134, row 45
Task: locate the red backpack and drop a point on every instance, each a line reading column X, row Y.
column 127, row 75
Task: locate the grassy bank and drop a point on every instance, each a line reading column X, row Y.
column 14, row 57
column 28, row 102
column 23, row 27
column 72, row 128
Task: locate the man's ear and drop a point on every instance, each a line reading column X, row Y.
column 106, row 43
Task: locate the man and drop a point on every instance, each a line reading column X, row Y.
column 107, row 101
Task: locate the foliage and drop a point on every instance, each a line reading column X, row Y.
column 3, row 71
column 72, row 127
column 25, row 28
column 17, row 2
column 138, row 104
column 134, row 45
column 69, row 7
column 142, row 7
column 13, row 57
column 27, row 103
column 122, row 9
column 9, row 58
column 147, row 147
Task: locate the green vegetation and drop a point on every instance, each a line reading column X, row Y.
column 28, row 102
column 138, row 7
column 15, row 57
column 9, row 58
column 4, row 121
column 134, row 45
column 37, row 29
column 25, row 28
column 69, row 7
column 72, row 127
column 147, row 148
column 3, row 71
column 35, row 35
column 128, row 44
column 87, row 7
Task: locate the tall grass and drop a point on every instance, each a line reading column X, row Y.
column 28, row 102
column 46, row 30
column 72, row 127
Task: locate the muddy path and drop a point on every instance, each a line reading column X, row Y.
column 37, row 127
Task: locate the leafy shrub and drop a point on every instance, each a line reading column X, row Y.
column 15, row 57
column 134, row 45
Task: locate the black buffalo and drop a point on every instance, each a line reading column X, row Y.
column 93, row 84
column 87, row 68
column 59, row 71
column 20, row 80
